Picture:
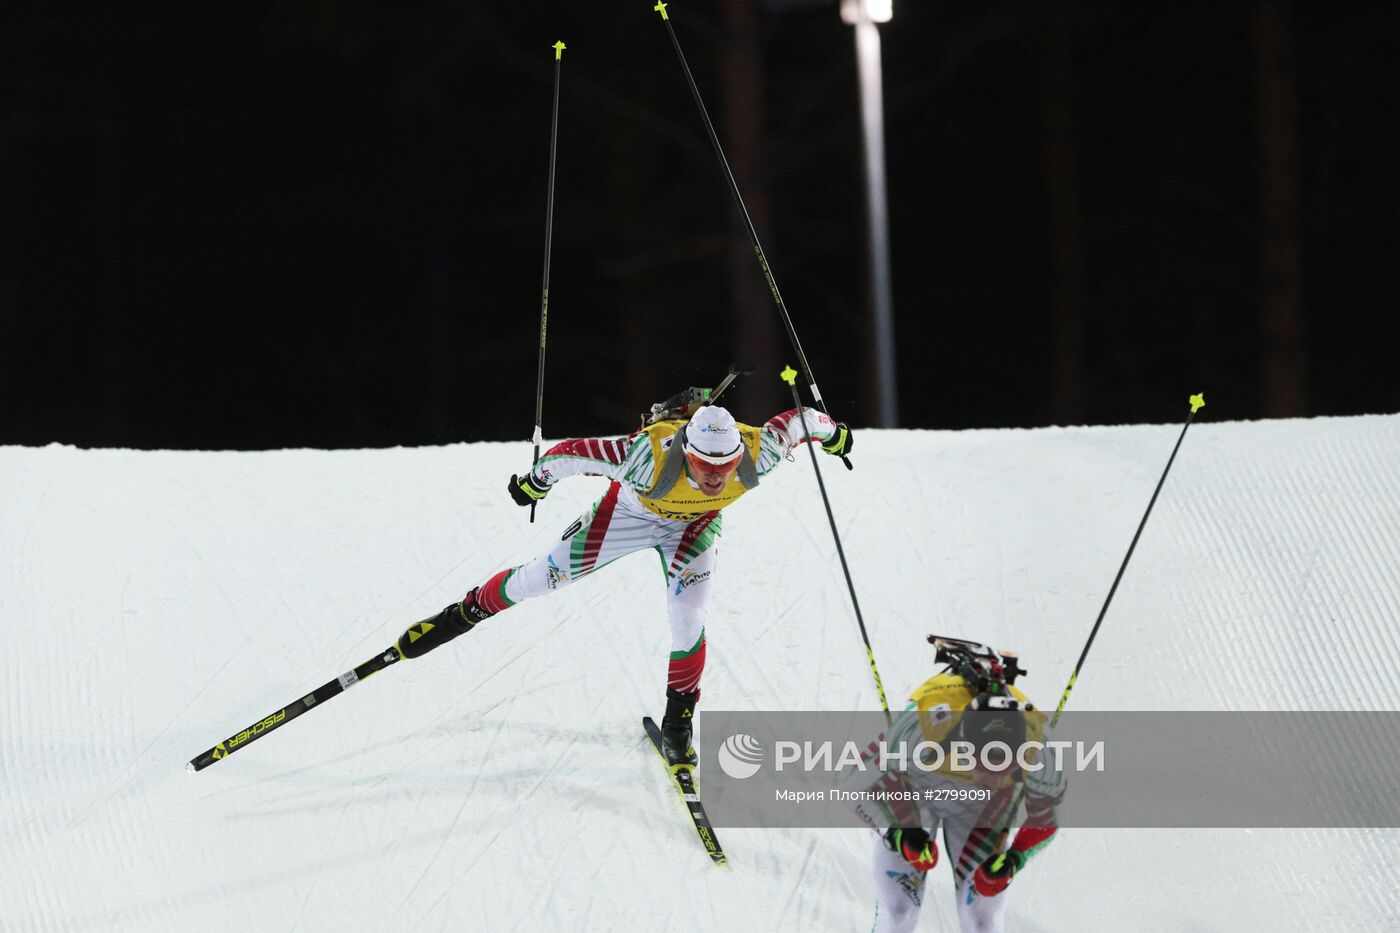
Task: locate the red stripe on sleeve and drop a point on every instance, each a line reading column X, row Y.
column 781, row 420
column 1028, row 837
column 590, row 448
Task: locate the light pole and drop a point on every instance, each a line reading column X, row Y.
column 863, row 15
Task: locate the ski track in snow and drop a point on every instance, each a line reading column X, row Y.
column 160, row 601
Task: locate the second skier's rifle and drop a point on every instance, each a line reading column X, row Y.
column 981, row 668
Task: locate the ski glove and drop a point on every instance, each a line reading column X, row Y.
column 993, row 875
column 839, row 443
column 526, row 490
column 915, row 845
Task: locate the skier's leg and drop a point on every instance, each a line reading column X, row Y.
column 598, row 537
column 974, row 845
column 899, row 890
column 688, row 557
column 978, row 914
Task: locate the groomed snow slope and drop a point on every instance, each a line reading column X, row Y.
column 155, row 602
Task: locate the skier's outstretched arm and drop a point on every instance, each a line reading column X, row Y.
column 782, row 433
column 1044, row 791
column 627, row 460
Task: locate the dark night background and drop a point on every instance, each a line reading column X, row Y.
column 322, row 224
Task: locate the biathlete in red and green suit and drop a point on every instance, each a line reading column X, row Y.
column 664, row 495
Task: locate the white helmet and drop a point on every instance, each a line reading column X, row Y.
column 712, row 436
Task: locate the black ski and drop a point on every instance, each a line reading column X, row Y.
column 294, row 709
column 683, row 780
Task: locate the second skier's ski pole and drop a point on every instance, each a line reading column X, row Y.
column 1197, row 402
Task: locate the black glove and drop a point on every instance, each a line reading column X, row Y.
column 526, row 490
column 915, row 845
column 840, row 441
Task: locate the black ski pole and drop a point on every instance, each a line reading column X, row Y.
column 1197, row 402
column 748, row 222
column 294, row 709
column 548, row 238
column 789, row 375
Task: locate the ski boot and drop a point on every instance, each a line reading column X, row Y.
column 456, row 619
column 676, row 728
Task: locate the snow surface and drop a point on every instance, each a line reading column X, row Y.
column 156, row 602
